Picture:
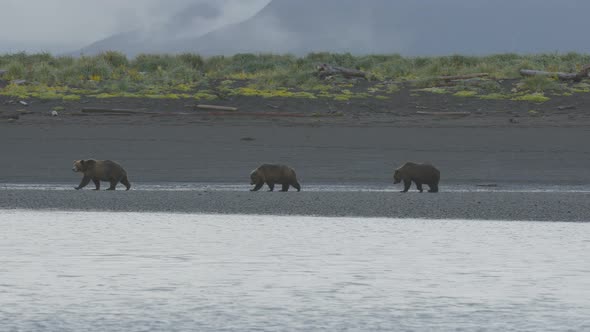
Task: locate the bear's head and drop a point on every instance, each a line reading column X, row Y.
column 82, row 165
column 256, row 177
column 397, row 176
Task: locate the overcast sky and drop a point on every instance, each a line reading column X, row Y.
column 58, row 25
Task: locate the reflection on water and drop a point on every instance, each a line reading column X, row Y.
column 62, row 271
column 184, row 186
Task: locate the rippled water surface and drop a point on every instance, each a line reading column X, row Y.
column 62, row 271
column 388, row 187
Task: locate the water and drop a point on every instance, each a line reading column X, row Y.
column 72, row 271
column 359, row 187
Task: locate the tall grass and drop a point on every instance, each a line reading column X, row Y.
column 115, row 71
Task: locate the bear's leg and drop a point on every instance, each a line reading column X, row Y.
column 126, row 183
column 296, row 185
column 407, row 185
column 285, row 187
column 419, row 186
column 433, row 188
column 113, row 184
column 96, row 183
column 258, row 186
column 271, row 186
column 83, row 183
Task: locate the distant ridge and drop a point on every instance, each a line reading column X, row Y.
column 408, row 27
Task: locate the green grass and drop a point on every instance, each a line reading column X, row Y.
column 494, row 96
column 465, row 93
column 539, row 84
column 435, row 90
column 533, row 98
column 71, row 98
column 112, row 74
column 581, row 88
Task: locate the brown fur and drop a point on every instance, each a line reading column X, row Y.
column 274, row 174
column 418, row 173
column 101, row 170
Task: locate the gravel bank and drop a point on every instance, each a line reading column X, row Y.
column 451, row 205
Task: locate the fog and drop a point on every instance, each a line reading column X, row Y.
column 62, row 25
column 213, row 27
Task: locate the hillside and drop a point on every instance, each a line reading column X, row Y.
column 410, row 27
column 193, row 21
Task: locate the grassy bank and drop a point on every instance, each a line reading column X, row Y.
column 112, row 74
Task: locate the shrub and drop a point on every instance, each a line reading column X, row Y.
column 115, row 59
column 93, row 68
column 43, row 73
column 154, row 62
column 15, row 71
column 539, row 84
column 194, row 61
column 533, row 98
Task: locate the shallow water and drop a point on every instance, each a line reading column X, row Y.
column 72, row 271
column 187, row 186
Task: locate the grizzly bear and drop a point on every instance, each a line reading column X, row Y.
column 101, row 170
column 274, row 174
column 420, row 174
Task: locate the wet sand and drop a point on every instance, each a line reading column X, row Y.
column 218, row 152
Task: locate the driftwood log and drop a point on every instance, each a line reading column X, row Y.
column 114, row 111
column 462, row 77
column 566, row 107
column 444, row 113
column 325, row 70
column 466, row 79
column 217, row 108
column 576, row 77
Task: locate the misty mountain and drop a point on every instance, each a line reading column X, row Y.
column 189, row 23
column 409, row 27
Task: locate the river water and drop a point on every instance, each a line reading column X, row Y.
column 358, row 187
column 77, row 271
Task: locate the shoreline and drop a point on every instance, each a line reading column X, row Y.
column 155, row 187
column 513, row 206
column 540, row 164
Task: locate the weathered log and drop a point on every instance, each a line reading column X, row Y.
column 244, row 114
column 467, row 79
column 325, row 70
column 218, row 108
column 259, row 114
column 444, row 113
column 559, row 75
column 465, row 82
column 114, row 111
column 576, row 77
column 462, row 77
column 566, row 107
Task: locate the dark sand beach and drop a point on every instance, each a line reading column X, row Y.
column 356, row 149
